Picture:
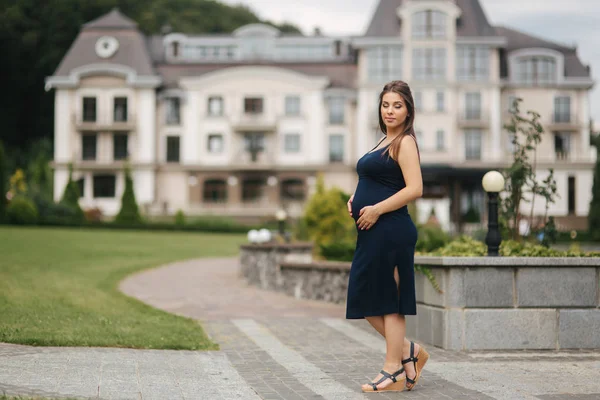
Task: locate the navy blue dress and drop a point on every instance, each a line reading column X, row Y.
column 390, row 242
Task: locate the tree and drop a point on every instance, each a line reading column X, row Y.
column 594, row 213
column 2, row 184
column 129, row 213
column 521, row 178
column 71, row 196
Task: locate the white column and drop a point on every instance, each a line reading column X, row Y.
column 364, row 131
column 318, row 150
column 144, row 184
column 61, row 177
column 63, row 145
column 189, row 142
column 495, row 124
column 146, row 122
column 585, row 152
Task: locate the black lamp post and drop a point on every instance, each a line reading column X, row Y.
column 493, row 183
column 281, row 216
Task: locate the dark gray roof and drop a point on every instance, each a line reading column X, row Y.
column 517, row 40
column 342, row 75
column 472, row 22
column 132, row 51
column 112, row 20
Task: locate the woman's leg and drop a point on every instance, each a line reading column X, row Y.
column 394, row 331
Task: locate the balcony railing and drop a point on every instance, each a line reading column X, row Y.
column 254, row 122
column 563, row 121
column 473, row 119
column 104, row 123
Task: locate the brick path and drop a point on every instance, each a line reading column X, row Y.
column 276, row 347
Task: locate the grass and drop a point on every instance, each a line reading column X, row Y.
column 58, row 287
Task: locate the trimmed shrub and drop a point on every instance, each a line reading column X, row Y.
column 180, row 218
column 338, row 251
column 129, row 213
column 431, row 238
column 70, row 198
column 22, row 211
column 326, row 217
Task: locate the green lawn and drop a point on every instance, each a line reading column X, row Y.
column 58, row 287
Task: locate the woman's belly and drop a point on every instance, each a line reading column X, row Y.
column 369, row 193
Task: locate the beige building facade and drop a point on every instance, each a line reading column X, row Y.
column 242, row 124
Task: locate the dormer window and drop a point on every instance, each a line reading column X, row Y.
column 429, row 24
column 538, row 70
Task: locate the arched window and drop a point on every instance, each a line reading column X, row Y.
column 215, row 191
column 429, row 24
column 536, row 70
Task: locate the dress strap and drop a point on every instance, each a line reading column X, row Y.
column 378, row 143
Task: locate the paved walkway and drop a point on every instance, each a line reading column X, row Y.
column 276, row 347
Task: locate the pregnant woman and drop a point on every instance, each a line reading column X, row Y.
column 382, row 286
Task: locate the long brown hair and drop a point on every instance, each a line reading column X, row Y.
column 403, row 90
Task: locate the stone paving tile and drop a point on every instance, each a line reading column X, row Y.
column 591, row 396
column 351, row 364
column 266, row 377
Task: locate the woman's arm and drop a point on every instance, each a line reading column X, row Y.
column 408, row 159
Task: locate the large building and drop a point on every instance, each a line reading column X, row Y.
column 241, row 124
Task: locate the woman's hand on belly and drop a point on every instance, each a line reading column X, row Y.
column 349, row 204
column 368, row 216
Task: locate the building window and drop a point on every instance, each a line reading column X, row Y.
column 562, row 145
column 215, row 143
column 89, row 109
column 120, row 146
column 536, row 70
column 291, row 142
column 173, row 106
column 252, row 189
column 440, row 142
column 292, row 189
column 472, row 63
column 571, row 194
column 440, row 102
column 120, row 109
column 473, row 106
column 104, row 186
column 172, row 148
column 254, row 143
column 418, row 99
column 337, row 106
column 384, row 63
column 215, row 106
column 562, row 109
column 336, row 148
column 175, row 48
column 429, row 64
column 511, row 144
column 215, row 191
column 473, row 144
column 81, row 187
column 253, row 105
column 429, row 24
column 88, row 146
column 292, row 105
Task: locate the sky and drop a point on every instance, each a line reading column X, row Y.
column 571, row 22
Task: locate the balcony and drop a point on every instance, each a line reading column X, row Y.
column 563, row 122
column 104, row 124
column 254, row 122
column 246, row 160
column 473, row 119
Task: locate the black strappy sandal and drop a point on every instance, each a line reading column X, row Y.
column 419, row 363
column 395, row 386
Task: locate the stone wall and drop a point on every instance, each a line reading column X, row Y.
column 485, row 303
